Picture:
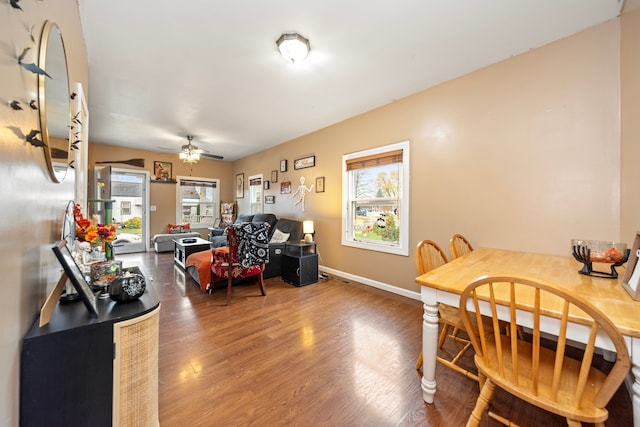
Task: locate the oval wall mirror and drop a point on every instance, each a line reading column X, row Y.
column 54, row 100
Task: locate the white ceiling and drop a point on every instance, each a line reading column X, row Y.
column 159, row 69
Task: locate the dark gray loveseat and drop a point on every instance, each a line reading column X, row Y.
column 293, row 227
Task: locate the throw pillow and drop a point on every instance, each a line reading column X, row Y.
column 279, row 237
column 180, row 228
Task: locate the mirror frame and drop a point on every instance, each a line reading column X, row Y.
column 50, row 30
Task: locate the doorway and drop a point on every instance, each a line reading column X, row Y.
column 129, row 191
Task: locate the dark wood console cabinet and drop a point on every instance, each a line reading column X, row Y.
column 81, row 371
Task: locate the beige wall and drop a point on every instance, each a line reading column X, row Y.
column 630, row 124
column 33, row 206
column 524, row 155
column 162, row 195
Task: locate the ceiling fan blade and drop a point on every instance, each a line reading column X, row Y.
column 212, row 156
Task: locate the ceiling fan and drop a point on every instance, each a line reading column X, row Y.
column 191, row 154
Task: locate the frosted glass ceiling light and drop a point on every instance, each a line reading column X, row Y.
column 293, row 47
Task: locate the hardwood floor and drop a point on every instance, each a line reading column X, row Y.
column 334, row 353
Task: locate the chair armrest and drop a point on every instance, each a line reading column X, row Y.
column 216, row 231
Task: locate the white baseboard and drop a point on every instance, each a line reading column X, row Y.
column 372, row 283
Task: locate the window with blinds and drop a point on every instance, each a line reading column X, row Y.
column 375, row 192
column 255, row 194
column 199, row 201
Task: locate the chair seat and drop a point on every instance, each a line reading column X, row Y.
column 221, row 270
column 565, row 405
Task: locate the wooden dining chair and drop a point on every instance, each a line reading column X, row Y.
column 429, row 256
column 458, row 246
column 544, row 377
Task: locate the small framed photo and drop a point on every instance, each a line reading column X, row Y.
column 162, row 171
column 76, row 277
column 304, row 162
column 266, row 185
column 320, row 184
column 274, row 176
column 283, row 165
column 631, row 278
column 269, row 200
column 240, row 186
column 285, row 187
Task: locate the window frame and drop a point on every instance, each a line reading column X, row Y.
column 216, row 200
column 348, row 239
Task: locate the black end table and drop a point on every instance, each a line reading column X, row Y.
column 300, row 263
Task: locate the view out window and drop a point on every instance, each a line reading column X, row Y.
column 375, row 192
column 198, row 201
column 255, row 194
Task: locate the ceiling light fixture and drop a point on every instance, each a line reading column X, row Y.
column 293, row 47
column 190, row 153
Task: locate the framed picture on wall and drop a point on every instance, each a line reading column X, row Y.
column 274, row 176
column 162, row 171
column 285, row 187
column 269, row 200
column 283, row 165
column 266, row 185
column 240, row 186
column 320, row 184
column 304, row 162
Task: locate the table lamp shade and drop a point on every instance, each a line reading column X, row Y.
column 308, row 230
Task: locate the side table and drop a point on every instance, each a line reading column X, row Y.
column 300, row 263
column 185, row 247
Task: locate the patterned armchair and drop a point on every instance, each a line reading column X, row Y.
column 246, row 255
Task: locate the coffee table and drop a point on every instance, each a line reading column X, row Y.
column 187, row 246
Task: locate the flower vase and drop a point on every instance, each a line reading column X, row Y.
column 97, row 252
column 108, row 251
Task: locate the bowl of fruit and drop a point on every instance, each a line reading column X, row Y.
column 599, row 251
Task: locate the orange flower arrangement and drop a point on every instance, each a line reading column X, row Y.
column 86, row 231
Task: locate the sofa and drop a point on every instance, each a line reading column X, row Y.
column 283, row 229
column 164, row 242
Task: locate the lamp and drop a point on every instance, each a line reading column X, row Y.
column 307, row 229
column 190, row 153
column 293, row 47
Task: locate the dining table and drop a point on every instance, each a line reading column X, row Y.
column 446, row 283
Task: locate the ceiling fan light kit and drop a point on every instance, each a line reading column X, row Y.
column 293, row 47
column 190, row 153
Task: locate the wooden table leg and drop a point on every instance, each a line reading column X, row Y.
column 429, row 343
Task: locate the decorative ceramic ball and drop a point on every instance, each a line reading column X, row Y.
column 126, row 288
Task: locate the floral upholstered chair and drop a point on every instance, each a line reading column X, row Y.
column 227, row 213
column 246, row 255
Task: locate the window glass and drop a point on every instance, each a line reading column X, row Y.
column 255, row 194
column 376, row 199
column 198, row 201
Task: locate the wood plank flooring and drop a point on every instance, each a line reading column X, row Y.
column 334, row 353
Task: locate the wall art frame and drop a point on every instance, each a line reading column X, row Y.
column 320, row 184
column 269, row 200
column 240, row 186
column 304, row 162
column 274, row 176
column 631, row 277
column 285, row 187
column 162, row 171
column 283, row 165
column 265, row 185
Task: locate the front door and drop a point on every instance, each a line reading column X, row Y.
column 130, row 210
